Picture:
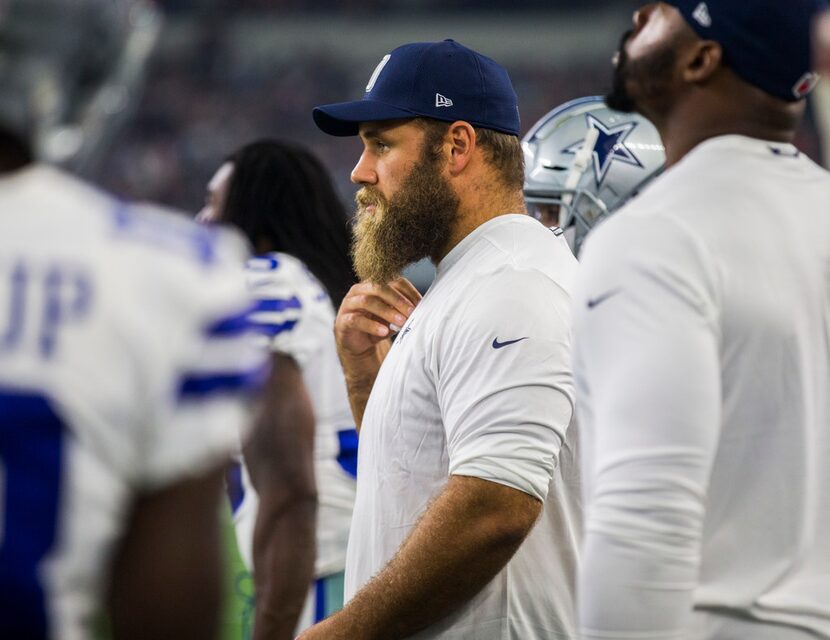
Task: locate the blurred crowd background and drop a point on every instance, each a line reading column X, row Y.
column 226, row 72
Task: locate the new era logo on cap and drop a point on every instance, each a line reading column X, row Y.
column 442, row 101
column 701, row 14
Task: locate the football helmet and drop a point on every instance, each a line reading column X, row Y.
column 70, row 72
column 583, row 161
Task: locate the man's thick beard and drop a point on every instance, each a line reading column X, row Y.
column 414, row 223
column 652, row 75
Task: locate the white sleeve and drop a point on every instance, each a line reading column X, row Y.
column 646, row 347
column 293, row 311
column 504, row 381
column 208, row 372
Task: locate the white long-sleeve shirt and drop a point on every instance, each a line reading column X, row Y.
column 702, row 365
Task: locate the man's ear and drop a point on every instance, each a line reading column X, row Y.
column 701, row 61
column 461, row 137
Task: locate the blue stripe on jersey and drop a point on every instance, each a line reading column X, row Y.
column 279, row 304
column 347, row 456
column 31, row 453
column 273, row 330
column 234, row 486
column 199, row 385
column 167, row 232
column 263, row 263
column 233, row 325
column 319, row 600
column 241, row 323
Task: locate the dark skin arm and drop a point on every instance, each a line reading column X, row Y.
column 167, row 573
column 362, row 331
column 465, row 537
column 279, row 457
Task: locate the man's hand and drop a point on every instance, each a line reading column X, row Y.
column 367, row 316
column 370, row 312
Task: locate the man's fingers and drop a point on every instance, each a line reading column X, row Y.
column 357, row 321
column 369, row 304
column 383, row 300
column 405, row 287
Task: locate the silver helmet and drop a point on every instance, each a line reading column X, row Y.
column 583, row 161
column 70, row 72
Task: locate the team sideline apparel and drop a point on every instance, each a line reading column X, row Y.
column 125, row 355
column 296, row 318
column 478, row 383
column 702, row 361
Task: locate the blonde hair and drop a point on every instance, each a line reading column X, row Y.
column 502, row 151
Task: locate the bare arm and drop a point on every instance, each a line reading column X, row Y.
column 279, row 457
column 362, row 331
column 166, row 577
column 466, row 536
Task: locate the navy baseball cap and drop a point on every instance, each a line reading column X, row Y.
column 767, row 43
column 440, row 80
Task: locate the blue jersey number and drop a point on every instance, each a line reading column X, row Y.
column 31, row 464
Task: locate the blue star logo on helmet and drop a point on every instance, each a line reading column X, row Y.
column 610, row 146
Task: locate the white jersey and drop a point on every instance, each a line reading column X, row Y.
column 295, row 313
column 124, row 356
column 702, row 359
column 478, row 383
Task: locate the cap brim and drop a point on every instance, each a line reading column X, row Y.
column 344, row 118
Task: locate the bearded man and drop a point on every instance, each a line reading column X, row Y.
column 464, row 419
column 702, row 342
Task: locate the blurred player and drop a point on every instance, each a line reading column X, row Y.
column 280, row 196
column 125, row 357
column 583, row 161
column 702, row 342
column 464, row 419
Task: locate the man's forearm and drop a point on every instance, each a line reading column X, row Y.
column 280, row 458
column 283, row 548
column 360, row 374
column 464, row 539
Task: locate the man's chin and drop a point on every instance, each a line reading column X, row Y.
column 373, row 265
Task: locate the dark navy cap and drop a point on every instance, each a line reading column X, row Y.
column 767, row 43
column 440, row 80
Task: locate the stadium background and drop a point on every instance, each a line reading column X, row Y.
column 228, row 71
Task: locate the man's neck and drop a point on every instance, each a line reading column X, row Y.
column 473, row 212
column 749, row 113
